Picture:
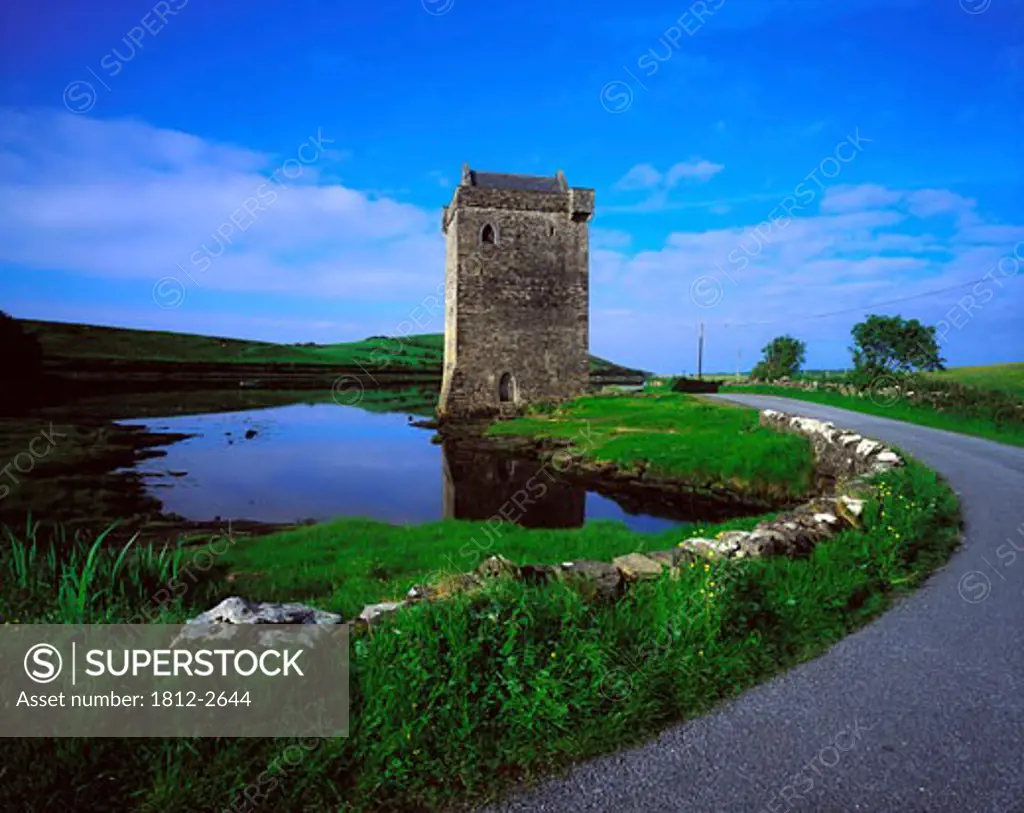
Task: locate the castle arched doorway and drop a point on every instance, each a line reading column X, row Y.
column 507, row 388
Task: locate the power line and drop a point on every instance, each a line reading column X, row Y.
column 854, row 310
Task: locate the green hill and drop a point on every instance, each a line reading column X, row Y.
column 69, row 341
column 1007, row 377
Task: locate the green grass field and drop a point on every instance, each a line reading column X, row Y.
column 680, row 436
column 76, row 341
column 1007, row 377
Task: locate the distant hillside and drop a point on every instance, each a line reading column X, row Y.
column 421, row 353
column 1006, row 377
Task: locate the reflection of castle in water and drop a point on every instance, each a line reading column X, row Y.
column 480, row 486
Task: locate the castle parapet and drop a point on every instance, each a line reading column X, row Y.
column 581, row 204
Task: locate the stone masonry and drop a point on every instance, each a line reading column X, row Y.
column 516, row 292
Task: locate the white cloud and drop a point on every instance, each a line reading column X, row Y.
column 642, row 176
column 647, row 176
column 931, row 202
column 609, row 238
column 692, row 170
column 866, row 245
column 856, row 198
column 922, row 203
column 122, row 199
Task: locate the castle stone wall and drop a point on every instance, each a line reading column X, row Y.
column 519, row 306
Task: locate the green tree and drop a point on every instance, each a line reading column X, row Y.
column 893, row 345
column 782, row 356
column 21, row 354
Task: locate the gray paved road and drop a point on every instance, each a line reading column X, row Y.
column 922, row 710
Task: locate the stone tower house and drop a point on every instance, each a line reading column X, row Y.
column 516, row 292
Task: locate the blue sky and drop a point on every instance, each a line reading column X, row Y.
column 131, row 132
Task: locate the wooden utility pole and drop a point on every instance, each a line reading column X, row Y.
column 700, row 353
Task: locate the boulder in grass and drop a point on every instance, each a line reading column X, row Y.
column 237, row 610
column 637, row 567
column 457, row 583
column 728, row 542
column 699, row 545
column 669, row 558
column 222, row 622
column 599, row 579
column 762, row 541
column 850, row 509
column 537, row 574
column 373, row 613
column 421, row 592
column 494, row 567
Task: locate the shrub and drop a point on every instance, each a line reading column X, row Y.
column 21, row 354
column 783, row 357
column 891, row 344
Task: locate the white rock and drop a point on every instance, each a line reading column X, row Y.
column 226, row 620
column 888, row 456
column 829, row 434
column 372, row 613
column 811, row 426
column 846, row 440
column 823, row 517
column 237, row 610
column 867, row 447
column 854, row 506
column 700, row 545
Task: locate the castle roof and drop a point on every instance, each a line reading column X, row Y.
column 529, row 183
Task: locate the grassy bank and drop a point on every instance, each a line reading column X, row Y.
column 54, row 576
column 994, row 427
column 452, row 701
column 679, row 436
column 345, row 564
